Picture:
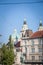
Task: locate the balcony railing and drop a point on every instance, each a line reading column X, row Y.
column 31, row 53
column 32, row 60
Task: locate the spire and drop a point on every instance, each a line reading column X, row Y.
column 25, row 26
column 40, row 23
column 40, row 26
column 16, row 38
column 15, row 35
column 24, row 20
column 15, row 30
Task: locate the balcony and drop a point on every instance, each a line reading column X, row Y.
column 33, row 61
column 35, row 53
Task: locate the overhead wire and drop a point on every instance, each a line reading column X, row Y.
column 35, row 2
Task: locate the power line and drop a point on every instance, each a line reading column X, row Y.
column 22, row 3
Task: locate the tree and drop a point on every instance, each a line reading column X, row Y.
column 0, row 55
column 10, row 44
column 7, row 53
column 4, row 54
column 0, row 50
column 11, row 51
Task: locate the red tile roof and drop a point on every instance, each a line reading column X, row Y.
column 37, row 34
column 17, row 44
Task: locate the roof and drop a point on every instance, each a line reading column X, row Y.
column 17, row 44
column 24, row 22
column 29, row 32
column 38, row 34
column 40, row 23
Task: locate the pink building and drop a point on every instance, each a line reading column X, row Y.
column 29, row 46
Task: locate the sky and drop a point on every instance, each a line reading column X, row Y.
column 12, row 16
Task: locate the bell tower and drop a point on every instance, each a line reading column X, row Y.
column 40, row 26
column 24, row 28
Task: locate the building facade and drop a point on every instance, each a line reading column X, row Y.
column 28, row 47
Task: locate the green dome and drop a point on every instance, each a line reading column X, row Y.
column 15, row 35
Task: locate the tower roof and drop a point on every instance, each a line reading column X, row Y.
column 25, row 26
column 40, row 26
column 40, row 23
column 25, row 21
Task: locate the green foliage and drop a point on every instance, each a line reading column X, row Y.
column 10, row 44
column 7, row 53
column 0, row 55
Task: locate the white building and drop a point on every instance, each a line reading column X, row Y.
column 29, row 46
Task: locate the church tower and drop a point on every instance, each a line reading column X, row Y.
column 40, row 26
column 24, row 28
column 15, row 36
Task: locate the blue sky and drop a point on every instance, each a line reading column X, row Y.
column 12, row 16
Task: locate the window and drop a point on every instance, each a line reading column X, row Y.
column 22, row 34
column 17, row 50
column 33, row 57
column 40, row 41
column 40, row 49
column 32, row 43
column 33, row 50
column 40, row 57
